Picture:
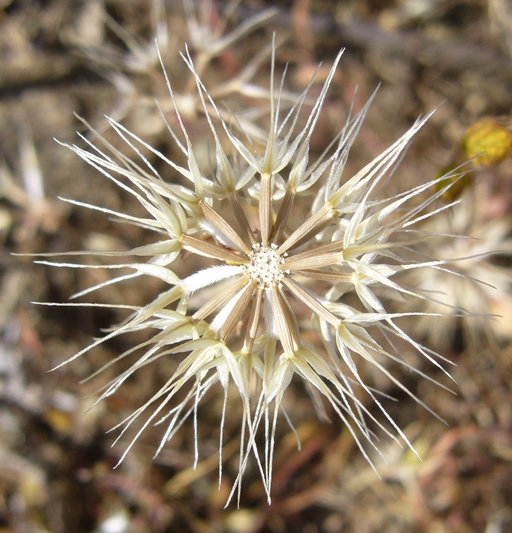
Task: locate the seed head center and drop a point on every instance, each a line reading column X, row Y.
column 264, row 266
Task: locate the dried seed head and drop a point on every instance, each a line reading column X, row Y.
column 347, row 241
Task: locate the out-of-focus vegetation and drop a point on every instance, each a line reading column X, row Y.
column 94, row 57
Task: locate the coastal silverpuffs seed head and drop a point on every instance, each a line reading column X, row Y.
column 302, row 261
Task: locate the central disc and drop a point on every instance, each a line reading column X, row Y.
column 264, row 266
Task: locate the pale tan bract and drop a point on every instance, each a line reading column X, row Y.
column 249, row 334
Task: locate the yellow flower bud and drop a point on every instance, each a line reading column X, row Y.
column 489, row 139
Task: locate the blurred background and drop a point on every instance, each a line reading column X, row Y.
column 62, row 58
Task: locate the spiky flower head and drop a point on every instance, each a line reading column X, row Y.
column 271, row 263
